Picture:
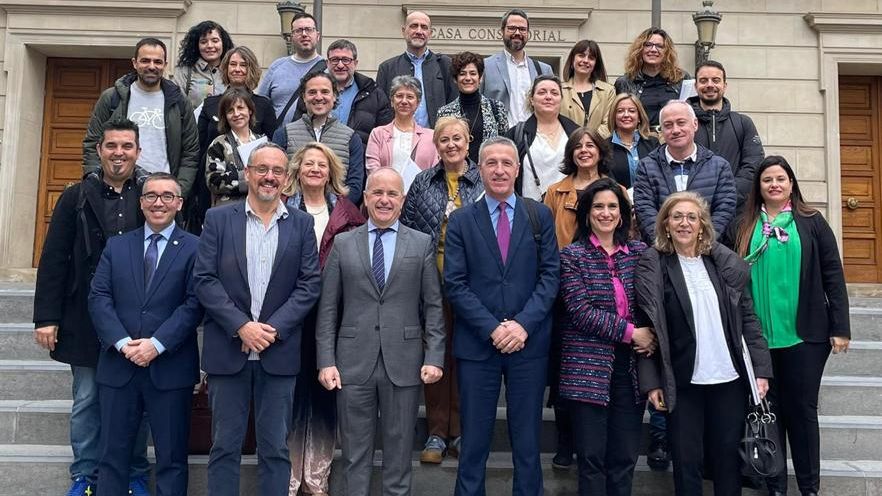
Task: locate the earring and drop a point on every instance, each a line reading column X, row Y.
column 700, row 235
column 669, row 234
column 620, row 222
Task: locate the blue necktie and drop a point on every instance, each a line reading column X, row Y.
column 150, row 258
column 378, row 265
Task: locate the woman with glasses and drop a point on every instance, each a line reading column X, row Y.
column 486, row 117
column 652, row 72
column 586, row 94
column 224, row 164
column 694, row 293
column 198, row 73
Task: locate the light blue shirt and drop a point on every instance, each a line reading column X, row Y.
column 160, row 247
column 422, row 114
column 345, row 101
column 493, row 206
column 633, row 156
column 389, row 240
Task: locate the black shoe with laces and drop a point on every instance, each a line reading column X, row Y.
column 658, row 457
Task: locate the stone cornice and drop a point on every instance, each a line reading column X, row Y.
column 824, row 22
column 103, row 8
column 446, row 14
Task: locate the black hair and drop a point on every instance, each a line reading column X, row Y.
column 710, row 63
column 568, row 165
column 151, row 42
column 583, row 210
column 120, row 125
column 188, row 54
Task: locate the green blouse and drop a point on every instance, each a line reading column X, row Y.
column 775, row 256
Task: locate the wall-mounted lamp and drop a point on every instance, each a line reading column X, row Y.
column 706, row 21
column 287, row 10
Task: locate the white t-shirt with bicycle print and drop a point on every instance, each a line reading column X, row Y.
column 147, row 110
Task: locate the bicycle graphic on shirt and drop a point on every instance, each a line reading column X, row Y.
column 149, row 117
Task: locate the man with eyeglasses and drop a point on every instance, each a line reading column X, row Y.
column 430, row 68
column 145, row 314
column 86, row 215
column 257, row 276
column 361, row 104
column 281, row 81
column 681, row 164
column 509, row 74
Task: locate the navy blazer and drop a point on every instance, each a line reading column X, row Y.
column 221, row 279
column 483, row 291
column 168, row 310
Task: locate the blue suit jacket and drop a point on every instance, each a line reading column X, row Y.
column 221, row 277
column 485, row 292
column 168, row 310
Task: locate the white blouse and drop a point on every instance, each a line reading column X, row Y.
column 321, row 216
column 402, row 146
column 713, row 363
column 547, row 159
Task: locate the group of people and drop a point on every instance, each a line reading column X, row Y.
column 458, row 224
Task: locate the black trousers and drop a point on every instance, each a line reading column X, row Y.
column 712, row 414
column 607, row 438
column 794, row 397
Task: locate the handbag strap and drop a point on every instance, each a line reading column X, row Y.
column 751, row 377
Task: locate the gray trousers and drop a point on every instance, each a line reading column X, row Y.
column 357, row 407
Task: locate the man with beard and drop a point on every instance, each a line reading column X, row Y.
column 319, row 91
column 282, row 79
column 103, row 205
column 167, row 127
column 727, row 133
column 509, row 74
column 149, row 358
column 361, row 104
column 431, row 69
column 257, row 276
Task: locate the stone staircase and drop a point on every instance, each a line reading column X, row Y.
column 35, row 406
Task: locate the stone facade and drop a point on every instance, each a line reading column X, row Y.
column 783, row 59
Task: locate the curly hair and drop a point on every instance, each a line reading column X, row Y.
column 459, row 62
column 670, row 66
column 188, row 54
column 593, row 49
column 568, row 165
column 707, row 234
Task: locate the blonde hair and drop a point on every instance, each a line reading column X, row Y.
column 670, row 65
column 336, row 171
column 642, row 126
column 448, row 121
column 706, row 233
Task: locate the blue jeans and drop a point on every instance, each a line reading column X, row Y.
column 658, row 424
column 85, row 429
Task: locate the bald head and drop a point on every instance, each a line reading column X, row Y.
column 384, row 196
column 417, row 31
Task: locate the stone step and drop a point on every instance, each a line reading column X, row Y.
column 16, row 303
column 36, row 469
column 46, row 423
column 851, row 395
column 864, row 358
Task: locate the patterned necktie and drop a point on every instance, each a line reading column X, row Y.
column 503, row 231
column 150, row 258
column 378, row 265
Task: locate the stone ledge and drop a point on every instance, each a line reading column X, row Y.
column 101, row 8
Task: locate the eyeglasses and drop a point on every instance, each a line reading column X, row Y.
column 651, row 45
column 166, row 198
column 516, row 29
column 690, row 218
column 340, row 60
column 263, row 170
column 300, row 31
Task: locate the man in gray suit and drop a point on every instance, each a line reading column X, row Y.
column 509, row 74
column 386, row 341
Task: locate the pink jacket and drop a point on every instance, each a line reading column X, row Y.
column 379, row 148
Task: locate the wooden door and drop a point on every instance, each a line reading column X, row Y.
column 72, row 87
column 860, row 132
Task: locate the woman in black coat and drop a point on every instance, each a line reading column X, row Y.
column 693, row 292
column 798, row 285
column 630, row 138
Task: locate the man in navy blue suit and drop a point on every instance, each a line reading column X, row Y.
column 257, row 276
column 145, row 313
column 501, row 270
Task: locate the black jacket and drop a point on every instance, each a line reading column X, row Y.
column 439, row 87
column 426, row 201
column 654, row 92
column 370, row 109
column 71, row 253
column 523, row 135
column 264, row 123
column 663, row 300
column 618, row 166
column 734, row 137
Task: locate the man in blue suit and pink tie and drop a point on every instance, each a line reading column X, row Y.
column 145, row 312
column 501, row 269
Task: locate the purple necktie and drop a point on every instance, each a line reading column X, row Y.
column 503, row 231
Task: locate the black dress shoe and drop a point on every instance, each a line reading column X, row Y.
column 809, row 493
column 777, row 493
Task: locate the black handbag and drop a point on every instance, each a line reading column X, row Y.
column 759, row 451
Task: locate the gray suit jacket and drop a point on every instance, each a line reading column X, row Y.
column 404, row 322
column 496, row 84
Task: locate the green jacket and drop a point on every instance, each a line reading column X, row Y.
column 182, row 139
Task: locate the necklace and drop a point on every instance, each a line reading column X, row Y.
column 451, row 201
